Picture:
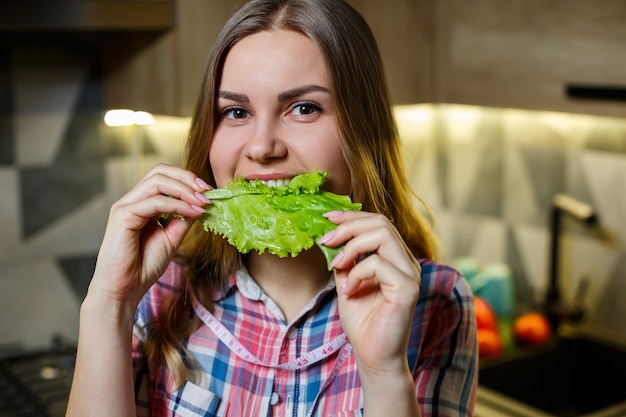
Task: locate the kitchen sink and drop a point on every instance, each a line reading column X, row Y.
column 567, row 377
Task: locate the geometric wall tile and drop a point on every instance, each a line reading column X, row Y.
column 521, row 274
column 460, row 159
column 460, row 232
column 611, row 308
column 168, row 135
column 78, row 272
column 576, row 180
column 607, row 136
column 490, row 243
column 546, row 172
column 486, row 192
column 519, row 200
column 79, row 232
column 423, row 174
column 7, row 140
column 147, row 147
column 606, row 177
column 9, row 213
column 45, row 100
column 458, row 172
column 76, row 173
column 37, row 303
column 119, row 141
column 529, row 259
column 446, row 231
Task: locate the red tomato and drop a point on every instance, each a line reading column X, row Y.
column 532, row 329
column 489, row 343
column 485, row 316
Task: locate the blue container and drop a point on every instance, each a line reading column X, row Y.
column 495, row 284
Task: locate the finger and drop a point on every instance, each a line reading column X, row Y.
column 350, row 224
column 176, row 230
column 180, row 174
column 162, row 183
column 163, row 186
column 184, row 176
column 136, row 214
column 365, row 234
column 172, row 236
column 376, row 273
column 340, row 216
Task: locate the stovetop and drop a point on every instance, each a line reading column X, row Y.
column 36, row 384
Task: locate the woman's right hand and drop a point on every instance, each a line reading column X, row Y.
column 136, row 249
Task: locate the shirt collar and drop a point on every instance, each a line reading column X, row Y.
column 247, row 285
column 243, row 282
column 251, row 290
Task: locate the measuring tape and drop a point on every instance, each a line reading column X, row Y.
column 238, row 349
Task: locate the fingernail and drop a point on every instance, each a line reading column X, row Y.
column 198, row 209
column 202, row 183
column 330, row 214
column 327, row 237
column 337, row 259
column 344, row 288
column 202, row 198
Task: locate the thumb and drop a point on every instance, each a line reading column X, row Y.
column 341, row 280
column 176, row 229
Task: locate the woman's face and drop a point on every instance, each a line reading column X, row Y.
column 276, row 119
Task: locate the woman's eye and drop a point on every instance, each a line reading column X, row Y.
column 235, row 113
column 305, row 109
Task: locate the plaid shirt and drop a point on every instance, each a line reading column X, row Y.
column 252, row 363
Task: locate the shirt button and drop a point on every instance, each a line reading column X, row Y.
column 292, row 334
column 274, row 399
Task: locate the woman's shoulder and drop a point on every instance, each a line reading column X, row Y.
column 442, row 279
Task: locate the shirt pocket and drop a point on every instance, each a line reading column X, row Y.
column 194, row 401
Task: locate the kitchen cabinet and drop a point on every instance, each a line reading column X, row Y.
column 163, row 75
column 522, row 53
column 513, row 53
column 405, row 32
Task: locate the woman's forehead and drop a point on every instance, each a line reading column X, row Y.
column 276, row 57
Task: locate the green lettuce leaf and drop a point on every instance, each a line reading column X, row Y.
column 281, row 220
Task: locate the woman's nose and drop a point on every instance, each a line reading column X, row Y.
column 265, row 142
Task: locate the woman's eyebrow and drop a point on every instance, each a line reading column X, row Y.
column 241, row 98
column 296, row 92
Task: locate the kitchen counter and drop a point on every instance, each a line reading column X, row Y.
column 577, row 374
column 492, row 404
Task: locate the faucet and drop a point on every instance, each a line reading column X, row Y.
column 564, row 204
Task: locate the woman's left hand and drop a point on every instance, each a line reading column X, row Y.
column 378, row 282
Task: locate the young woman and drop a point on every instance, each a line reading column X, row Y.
column 178, row 323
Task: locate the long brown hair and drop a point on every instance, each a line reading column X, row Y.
column 369, row 140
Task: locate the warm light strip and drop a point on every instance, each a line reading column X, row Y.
column 125, row 117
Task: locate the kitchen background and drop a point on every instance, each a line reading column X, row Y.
column 493, row 137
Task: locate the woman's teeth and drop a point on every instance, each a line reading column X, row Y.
column 276, row 183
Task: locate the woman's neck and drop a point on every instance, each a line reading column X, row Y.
column 290, row 282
